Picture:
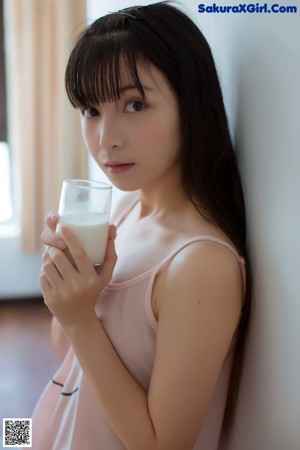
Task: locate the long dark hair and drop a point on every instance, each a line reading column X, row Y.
column 164, row 36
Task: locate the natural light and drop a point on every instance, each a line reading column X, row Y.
column 5, row 184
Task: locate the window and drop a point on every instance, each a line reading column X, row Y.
column 5, row 185
column 5, row 169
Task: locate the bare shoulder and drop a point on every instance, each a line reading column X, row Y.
column 208, row 257
column 206, row 273
column 124, row 201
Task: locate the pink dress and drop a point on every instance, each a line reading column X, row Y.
column 68, row 417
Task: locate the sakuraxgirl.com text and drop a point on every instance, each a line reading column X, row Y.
column 251, row 8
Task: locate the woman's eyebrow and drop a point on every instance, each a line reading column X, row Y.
column 129, row 87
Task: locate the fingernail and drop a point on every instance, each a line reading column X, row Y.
column 52, row 216
column 64, row 229
column 61, row 244
column 50, row 250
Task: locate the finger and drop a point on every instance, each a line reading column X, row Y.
column 52, row 274
column 45, row 257
column 44, row 285
column 112, row 232
column 81, row 260
column 48, row 237
column 60, row 261
column 110, row 256
column 52, row 220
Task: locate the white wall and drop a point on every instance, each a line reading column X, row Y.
column 258, row 58
column 259, row 62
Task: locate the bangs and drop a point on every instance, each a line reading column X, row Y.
column 97, row 65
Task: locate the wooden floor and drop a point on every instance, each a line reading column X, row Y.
column 27, row 360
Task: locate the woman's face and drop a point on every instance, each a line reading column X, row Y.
column 136, row 140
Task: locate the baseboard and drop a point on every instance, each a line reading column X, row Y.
column 22, row 300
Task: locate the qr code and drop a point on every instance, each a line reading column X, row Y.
column 17, row 432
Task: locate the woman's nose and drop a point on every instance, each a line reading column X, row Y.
column 110, row 133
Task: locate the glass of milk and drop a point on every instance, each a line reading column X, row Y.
column 85, row 207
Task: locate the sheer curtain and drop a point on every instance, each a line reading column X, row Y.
column 44, row 129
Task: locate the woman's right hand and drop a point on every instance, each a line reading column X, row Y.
column 48, row 236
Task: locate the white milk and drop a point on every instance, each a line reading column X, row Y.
column 91, row 229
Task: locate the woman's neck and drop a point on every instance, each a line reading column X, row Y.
column 165, row 199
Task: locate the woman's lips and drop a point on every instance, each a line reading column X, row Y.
column 116, row 168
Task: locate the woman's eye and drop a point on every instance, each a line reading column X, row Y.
column 135, row 106
column 90, row 112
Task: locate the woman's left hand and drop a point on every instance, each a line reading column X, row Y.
column 71, row 292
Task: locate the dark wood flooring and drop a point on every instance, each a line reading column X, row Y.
column 27, row 359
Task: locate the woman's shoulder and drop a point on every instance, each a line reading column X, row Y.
column 208, row 268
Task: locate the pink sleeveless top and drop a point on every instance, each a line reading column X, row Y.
column 68, row 417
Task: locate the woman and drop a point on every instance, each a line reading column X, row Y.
column 155, row 340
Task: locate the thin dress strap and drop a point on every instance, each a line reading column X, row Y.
column 151, row 274
column 123, row 215
column 204, row 237
column 163, row 263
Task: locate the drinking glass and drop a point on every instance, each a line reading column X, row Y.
column 85, row 208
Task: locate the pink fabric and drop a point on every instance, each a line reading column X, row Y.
column 68, row 417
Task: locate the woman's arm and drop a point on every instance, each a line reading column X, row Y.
column 59, row 339
column 199, row 300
